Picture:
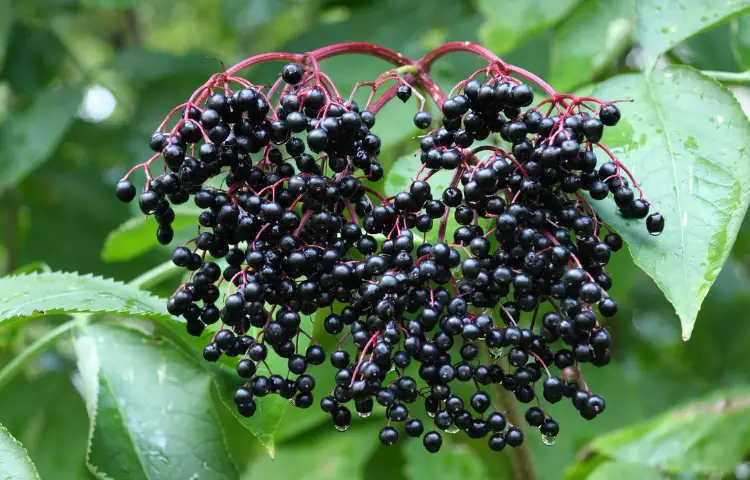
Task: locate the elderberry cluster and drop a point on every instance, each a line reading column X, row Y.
column 296, row 226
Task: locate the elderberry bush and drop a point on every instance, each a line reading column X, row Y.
column 293, row 225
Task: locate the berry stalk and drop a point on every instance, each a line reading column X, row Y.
column 300, row 223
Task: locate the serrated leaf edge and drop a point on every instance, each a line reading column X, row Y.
column 89, row 276
column 92, row 404
column 20, row 445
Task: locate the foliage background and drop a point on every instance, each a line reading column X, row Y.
column 83, row 84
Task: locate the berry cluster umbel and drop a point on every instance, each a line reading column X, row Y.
column 300, row 225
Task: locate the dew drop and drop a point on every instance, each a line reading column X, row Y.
column 548, row 440
column 364, row 414
column 431, row 414
column 452, row 429
column 342, row 429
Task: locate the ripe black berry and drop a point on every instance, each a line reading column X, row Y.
column 292, row 73
column 655, row 223
column 514, row 437
column 403, row 92
column 432, row 442
column 125, row 191
column 422, row 120
column 609, row 115
column 287, row 181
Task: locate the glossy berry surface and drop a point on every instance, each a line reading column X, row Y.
column 431, row 297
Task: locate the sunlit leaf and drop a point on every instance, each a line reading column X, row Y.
column 707, row 436
column 685, row 140
column 15, row 463
column 150, row 409
column 24, row 146
column 589, row 40
column 36, row 294
column 509, row 24
column 662, row 24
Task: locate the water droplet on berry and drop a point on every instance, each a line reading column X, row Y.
column 548, row 440
column 452, row 429
column 431, row 414
column 342, row 428
column 364, row 414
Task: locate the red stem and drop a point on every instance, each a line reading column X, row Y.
column 444, row 219
column 266, row 57
column 370, row 343
column 426, row 61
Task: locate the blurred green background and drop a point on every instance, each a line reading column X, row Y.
column 84, row 83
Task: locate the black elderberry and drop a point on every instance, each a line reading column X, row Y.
column 211, row 352
column 246, row 368
column 414, row 427
column 514, row 437
column 247, row 409
column 480, row 402
column 243, row 395
column 535, row 416
column 609, row 115
column 550, row 428
column 497, row 442
column 403, row 92
column 302, row 230
column 432, row 442
column 292, row 73
column 422, row 120
column 388, row 436
column 655, row 224
column 125, row 191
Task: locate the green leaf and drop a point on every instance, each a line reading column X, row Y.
column 34, row 57
column 533, row 55
column 19, row 361
column 138, row 235
column 246, row 16
column 141, row 65
column 24, row 147
column 156, row 276
column 55, row 435
column 34, row 267
column 455, row 460
column 76, row 179
column 623, row 471
column 6, row 20
column 741, row 40
column 269, row 409
column 150, row 409
column 709, row 436
column 509, row 24
column 335, row 455
column 33, row 295
column 264, row 424
column 710, row 50
column 662, row 24
column 15, row 464
column 589, row 40
column 685, row 139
